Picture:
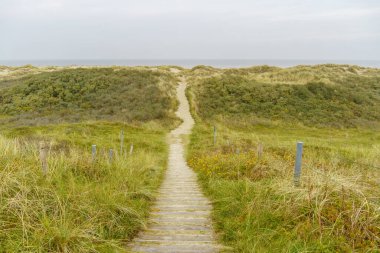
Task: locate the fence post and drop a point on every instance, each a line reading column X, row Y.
column 121, row 142
column 131, row 149
column 93, row 149
column 298, row 164
column 214, row 135
column 43, row 157
column 259, row 150
column 110, row 155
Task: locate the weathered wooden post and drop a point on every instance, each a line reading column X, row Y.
column 214, row 135
column 121, row 142
column 93, row 149
column 43, row 157
column 131, row 150
column 110, row 155
column 298, row 164
column 259, row 151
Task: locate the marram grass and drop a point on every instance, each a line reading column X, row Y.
column 80, row 205
column 257, row 207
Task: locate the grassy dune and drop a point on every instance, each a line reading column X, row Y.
column 81, row 205
column 86, row 206
column 256, row 206
column 72, row 95
column 300, row 95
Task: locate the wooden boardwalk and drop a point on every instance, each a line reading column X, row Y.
column 180, row 221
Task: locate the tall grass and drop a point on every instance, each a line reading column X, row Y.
column 80, row 205
column 86, row 206
column 257, row 208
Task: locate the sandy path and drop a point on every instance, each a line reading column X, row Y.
column 180, row 221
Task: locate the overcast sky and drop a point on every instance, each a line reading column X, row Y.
column 191, row 29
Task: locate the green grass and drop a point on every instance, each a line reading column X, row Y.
column 80, row 206
column 73, row 95
column 326, row 73
column 352, row 101
column 86, row 206
column 257, row 208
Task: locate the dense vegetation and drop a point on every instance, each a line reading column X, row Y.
column 86, row 206
column 81, row 205
column 257, row 208
column 352, row 101
column 82, row 94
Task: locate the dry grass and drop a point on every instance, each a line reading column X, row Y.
column 80, row 206
column 257, row 208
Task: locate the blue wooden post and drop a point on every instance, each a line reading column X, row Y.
column 111, row 155
column 297, row 167
column 93, row 149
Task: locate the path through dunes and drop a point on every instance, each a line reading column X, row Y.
column 180, row 222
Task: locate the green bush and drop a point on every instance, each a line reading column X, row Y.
column 97, row 93
column 351, row 102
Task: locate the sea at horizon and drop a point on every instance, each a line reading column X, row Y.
column 187, row 63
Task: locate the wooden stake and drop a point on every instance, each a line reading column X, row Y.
column 131, row 150
column 111, row 155
column 297, row 167
column 259, row 150
column 93, row 149
column 43, row 157
column 121, row 142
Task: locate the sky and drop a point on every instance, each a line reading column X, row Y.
column 195, row 29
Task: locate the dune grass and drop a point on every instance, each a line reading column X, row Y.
column 74, row 95
column 352, row 100
column 257, row 208
column 81, row 205
column 86, row 206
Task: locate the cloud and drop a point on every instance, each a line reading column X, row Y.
column 188, row 29
column 347, row 14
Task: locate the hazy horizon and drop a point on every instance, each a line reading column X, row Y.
column 188, row 63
